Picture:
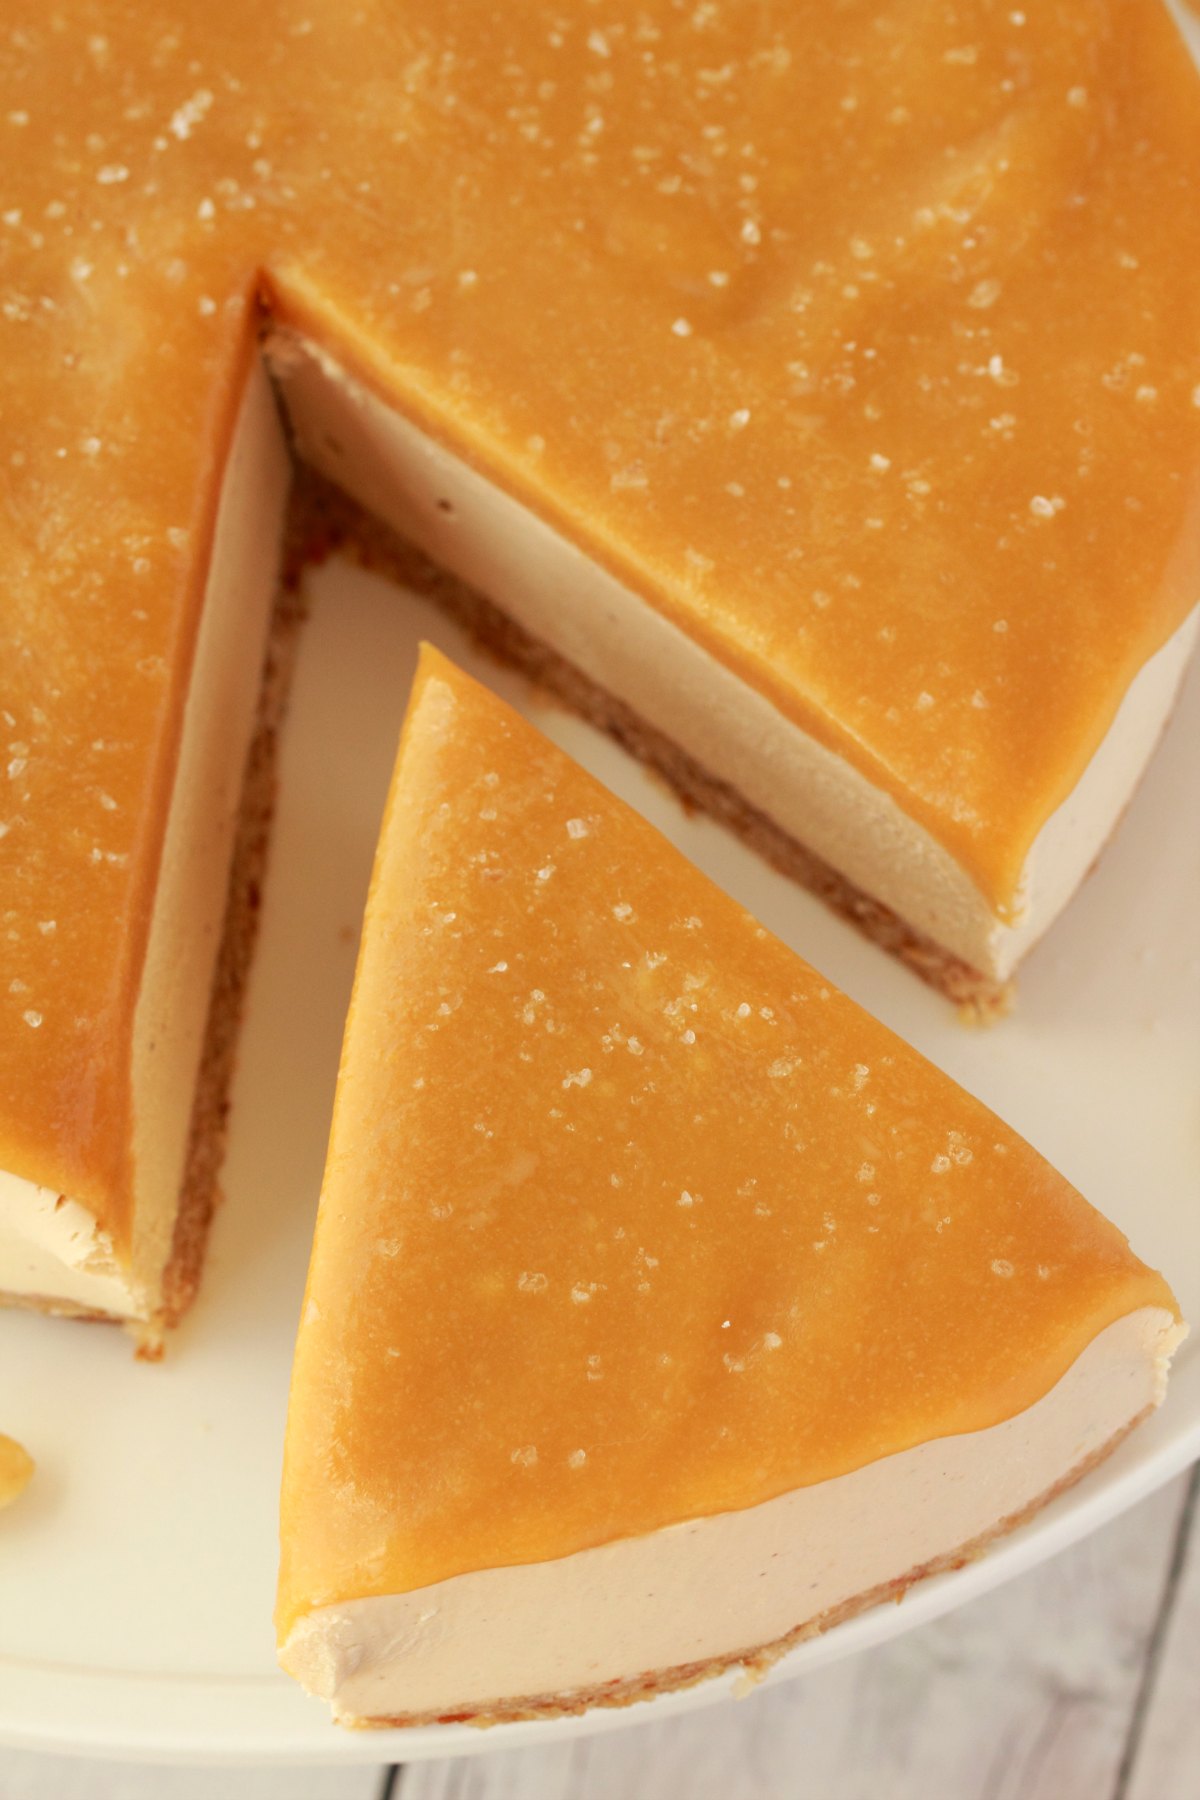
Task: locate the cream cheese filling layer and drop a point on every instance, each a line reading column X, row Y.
column 51, row 1246
column 543, row 581
column 713, row 1588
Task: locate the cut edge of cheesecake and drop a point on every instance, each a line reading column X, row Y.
column 339, row 1653
column 332, row 522
column 60, row 1259
column 630, row 1613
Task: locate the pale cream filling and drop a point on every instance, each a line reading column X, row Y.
column 467, row 525
column 51, row 1246
column 716, row 1587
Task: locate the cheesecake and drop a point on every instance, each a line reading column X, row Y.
column 816, row 406
column 664, row 1307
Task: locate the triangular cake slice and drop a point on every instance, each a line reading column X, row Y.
column 664, row 1307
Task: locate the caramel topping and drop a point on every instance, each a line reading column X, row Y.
column 629, row 1217
column 864, row 343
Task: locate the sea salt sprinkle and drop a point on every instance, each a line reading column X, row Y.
column 189, row 114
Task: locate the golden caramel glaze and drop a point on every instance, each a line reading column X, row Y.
column 629, row 1217
column 863, row 340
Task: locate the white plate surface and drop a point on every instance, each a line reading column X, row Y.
column 136, row 1576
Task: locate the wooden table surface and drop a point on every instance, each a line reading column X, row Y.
column 1079, row 1681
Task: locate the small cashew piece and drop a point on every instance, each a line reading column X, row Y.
column 16, row 1467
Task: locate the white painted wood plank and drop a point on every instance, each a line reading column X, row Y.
column 1024, row 1695
column 24, row 1776
column 1167, row 1761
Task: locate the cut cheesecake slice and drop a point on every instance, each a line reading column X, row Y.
column 815, row 406
column 664, row 1307
column 133, row 941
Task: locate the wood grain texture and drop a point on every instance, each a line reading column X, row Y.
column 1165, row 1759
column 24, row 1776
column 1025, row 1695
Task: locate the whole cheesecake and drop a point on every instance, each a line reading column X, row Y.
column 664, row 1307
column 813, row 399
